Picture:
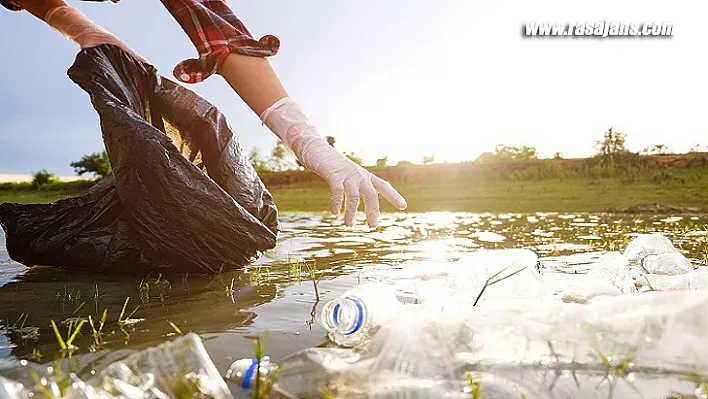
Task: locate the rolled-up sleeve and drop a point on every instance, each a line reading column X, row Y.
column 216, row 32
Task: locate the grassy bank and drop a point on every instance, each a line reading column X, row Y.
column 471, row 188
column 28, row 193
column 592, row 195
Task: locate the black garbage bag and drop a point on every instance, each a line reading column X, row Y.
column 183, row 196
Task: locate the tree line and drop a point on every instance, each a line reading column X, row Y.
column 610, row 150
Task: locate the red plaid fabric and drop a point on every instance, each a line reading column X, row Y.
column 11, row 4
column 216, row 32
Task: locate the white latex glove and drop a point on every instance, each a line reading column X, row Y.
column 346, row 179
column 77, row 27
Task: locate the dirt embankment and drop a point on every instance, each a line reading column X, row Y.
column 657, row 209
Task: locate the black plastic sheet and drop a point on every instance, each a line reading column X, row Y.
column 183, row 196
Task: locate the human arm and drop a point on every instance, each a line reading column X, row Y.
column 73, row 24
column 255, row 81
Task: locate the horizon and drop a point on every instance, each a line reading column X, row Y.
column 452, row 79
column 23, row 178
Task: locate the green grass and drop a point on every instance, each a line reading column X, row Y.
column 548, row 195
column 34, row 196
column 465, row 188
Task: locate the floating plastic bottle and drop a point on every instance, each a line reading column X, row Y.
column 245, row 372
column 359, row 312
column 157, row 372
column 307, row 373
column 12, row 390
column 647, row 244
column 668, row 264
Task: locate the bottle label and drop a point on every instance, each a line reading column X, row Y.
column 248, row 375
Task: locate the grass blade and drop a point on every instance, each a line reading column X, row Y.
column 122, row 312
column 60, row 340
column 76, row 332
column 651, row 287
column 504, row 278
column 177, row 330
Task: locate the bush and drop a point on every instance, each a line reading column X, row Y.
column 42, row 178
column 96, row 163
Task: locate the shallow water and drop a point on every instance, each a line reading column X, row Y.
column 277, row 294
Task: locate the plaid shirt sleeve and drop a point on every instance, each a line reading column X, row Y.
column 215, row 32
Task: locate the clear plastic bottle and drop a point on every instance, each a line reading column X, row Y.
column 646, row 244
column 159, row 371
column 305, row 373
column 668, row 264
column 356, row 315
column 244, row 372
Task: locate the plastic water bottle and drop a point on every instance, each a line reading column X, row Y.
column 306, row 373
column 156, row 372
column 646, row 244
column 245, row 371
column 669, row 264
column 356, row 315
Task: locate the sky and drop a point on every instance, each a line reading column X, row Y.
column 396, row 78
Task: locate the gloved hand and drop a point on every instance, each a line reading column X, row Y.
column 77, row 27
column 346, row 179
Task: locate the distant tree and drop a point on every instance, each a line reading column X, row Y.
column 657, row 149
column 557, row 155
column 280, row 159
column 611, row 146
column 354, row 158
column 96, row 163
column 404, row 163
column 428, row 159
column 510, row 153
column 695, row 148
column 42, row 178
column 382, row 162
column 257, row 161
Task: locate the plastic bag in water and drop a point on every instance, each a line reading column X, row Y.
column 183, row 196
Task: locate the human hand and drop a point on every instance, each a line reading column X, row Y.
column 348, row 182
column 77, row 27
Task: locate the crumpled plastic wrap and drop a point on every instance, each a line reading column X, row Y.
column 183, row 195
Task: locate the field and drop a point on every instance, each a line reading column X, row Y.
column 585, row 195
column 540, row 186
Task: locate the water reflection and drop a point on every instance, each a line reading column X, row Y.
column 277, row 292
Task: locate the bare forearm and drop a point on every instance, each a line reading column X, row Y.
column 39, row 8
column 254, row 80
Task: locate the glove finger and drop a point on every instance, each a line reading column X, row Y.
column 351, row 205
column 390, row 193
column 371, row 203
column 336, row 198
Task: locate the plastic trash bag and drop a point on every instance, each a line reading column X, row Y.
column 183, row 196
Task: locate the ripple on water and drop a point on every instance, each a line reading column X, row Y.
column 276, row 294
column 488, row 236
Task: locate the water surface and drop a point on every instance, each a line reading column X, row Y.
column 277, row 294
